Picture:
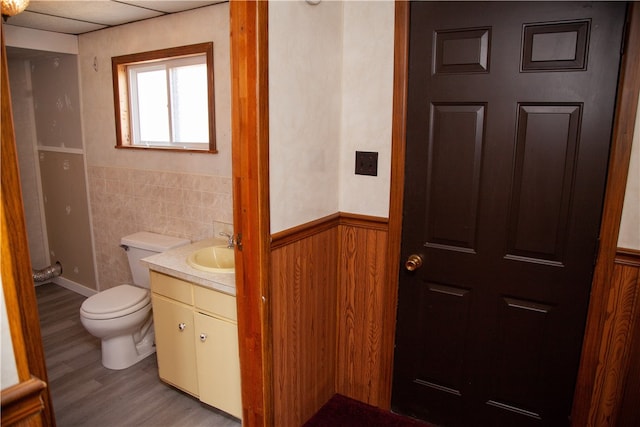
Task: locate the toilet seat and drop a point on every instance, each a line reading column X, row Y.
column 115, row 302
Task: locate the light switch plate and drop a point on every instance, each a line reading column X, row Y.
column 367, row 163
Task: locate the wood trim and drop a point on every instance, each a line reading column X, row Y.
column 364, row 221
column 398, row 142
column 15, row 268
column 598, row 340
column 250, row 154
column 286, row 237
column 303, row 231
column 628, row 257
column 120, row 81
column 22, row 401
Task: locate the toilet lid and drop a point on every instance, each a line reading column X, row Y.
column 115, row 302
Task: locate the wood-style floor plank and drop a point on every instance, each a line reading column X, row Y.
column 87, row 394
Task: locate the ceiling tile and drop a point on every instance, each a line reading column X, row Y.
column 172, row 6
column 97, row 12
column 51, row 23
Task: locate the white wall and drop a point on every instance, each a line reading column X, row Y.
column 367, row 100
column 305, row 66
column 8, row 368
column 629, row 236
column 196, row 26
column 330, row 94
column 48, row 41
column 180, row 194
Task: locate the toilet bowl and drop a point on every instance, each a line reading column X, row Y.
column 121, row 316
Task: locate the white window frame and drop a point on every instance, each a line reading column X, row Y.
column 125, row 69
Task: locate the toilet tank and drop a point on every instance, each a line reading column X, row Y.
column 143, row 244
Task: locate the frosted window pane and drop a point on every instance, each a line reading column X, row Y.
column 189, row 97
column 153, row 106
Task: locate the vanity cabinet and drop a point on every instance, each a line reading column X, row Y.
column 197, row 341
column 175, row 346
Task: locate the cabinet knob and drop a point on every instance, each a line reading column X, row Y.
column 181, row 326
column 203, row 337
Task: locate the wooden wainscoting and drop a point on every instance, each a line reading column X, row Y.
column 362, row 271
column 629, row 409
column 618, row 380
column 328, row 279
column 303, row 294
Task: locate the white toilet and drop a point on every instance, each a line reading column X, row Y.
column 121, row 316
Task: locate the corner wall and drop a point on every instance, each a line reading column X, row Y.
column 305, row 68
column 178, row 194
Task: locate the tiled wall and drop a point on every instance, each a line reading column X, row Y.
column 124, row 201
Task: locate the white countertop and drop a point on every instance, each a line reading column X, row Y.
column 174, row 263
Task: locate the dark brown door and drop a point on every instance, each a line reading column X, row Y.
column 510, row 109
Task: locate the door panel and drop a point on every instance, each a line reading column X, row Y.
column 546, row 135
column 509, row 119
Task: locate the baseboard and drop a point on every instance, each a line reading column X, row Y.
column 73, row 286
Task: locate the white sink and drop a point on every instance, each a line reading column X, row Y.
column 214, row 259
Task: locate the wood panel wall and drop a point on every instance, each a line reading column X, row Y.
column 303, row 292
column 328, row 283
column 613, row 383
column 629, row 409
column 362, row 271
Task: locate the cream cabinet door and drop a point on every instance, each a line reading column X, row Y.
column 218, row 363
column 175, row 347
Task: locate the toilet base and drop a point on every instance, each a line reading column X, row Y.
column 122, row 351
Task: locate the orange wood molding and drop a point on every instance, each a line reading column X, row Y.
column 628, row 256
column 250, row 156
column 22, row 402
column 302, row 231
column 398, row 142
column 287, row 237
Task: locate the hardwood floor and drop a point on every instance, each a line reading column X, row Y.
column 87, row 394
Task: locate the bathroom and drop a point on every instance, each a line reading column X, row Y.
column 312, row 137
column 81, row 194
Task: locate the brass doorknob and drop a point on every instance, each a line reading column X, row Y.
column 414, row 262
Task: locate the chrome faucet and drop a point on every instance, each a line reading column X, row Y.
column 229, row 239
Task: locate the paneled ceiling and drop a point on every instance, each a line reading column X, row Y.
column 83, row 16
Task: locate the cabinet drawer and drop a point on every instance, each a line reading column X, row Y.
column 171, row 287
column 215, row 302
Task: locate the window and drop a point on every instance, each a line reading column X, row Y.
column 164, row 99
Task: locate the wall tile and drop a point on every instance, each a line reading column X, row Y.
column 124, row 201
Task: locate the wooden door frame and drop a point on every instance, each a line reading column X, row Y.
column 249, row 37
column 250, row 131
column 250, row 148
column 595, row 369
column 28, row 401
